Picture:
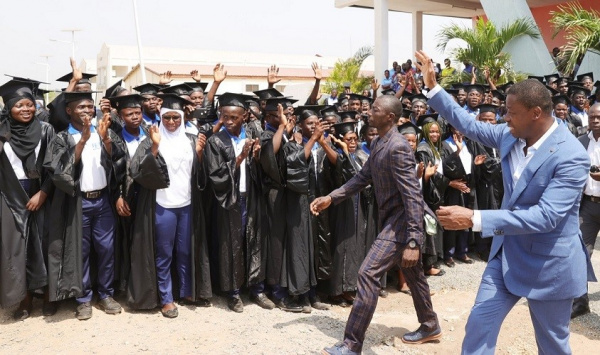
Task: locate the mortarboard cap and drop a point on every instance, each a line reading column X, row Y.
column 39, row 93
column 561, row 99
column 271, row 104
column 197, row 86
column 453, row 92
column 174, row 102
column 344, row 115
column 329, row 111
column 388, row 92
column 342, row 128
column 179, row 89
column 409, row 128
column 552, row 90
column 475, row 87
column 551, row 78
column 505, row 86
column 148, row 89
column 267, row 93
column 428, row 118
column 576, row 89
column 237, row 100
column 580, row 77
column 304, row 112
column 418, row 97
column 406, row 113
column 347, row 84
column 85, row 78
column 126, row 101
column 17, row 89
column 72, row 96
column 499, row 95
column 487, row 108
column 458, row 86
column 115, row 89
column 360, row 97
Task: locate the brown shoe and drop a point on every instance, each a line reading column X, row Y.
column 84, row 311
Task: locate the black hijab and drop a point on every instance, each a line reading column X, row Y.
column 24, row 137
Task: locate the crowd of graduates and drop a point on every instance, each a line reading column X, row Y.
column 172, row 193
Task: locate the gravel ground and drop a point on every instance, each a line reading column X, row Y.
column 257, row 331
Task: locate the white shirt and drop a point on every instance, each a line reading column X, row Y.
column 465, row 156
column 93, row 175
column 238, row 150
column 17, row 163
column 518, row 162
column 592, row 187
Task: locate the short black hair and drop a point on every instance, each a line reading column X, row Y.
column 531, row 93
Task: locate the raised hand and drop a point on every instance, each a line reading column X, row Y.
column 105, row 105
column 430, row 171
column 86, row 131
column 283, row 121
column 103, row 126
column 200, row 144
column 219, row 73
column 272, row 73
column 340, row 143
column 374, row 85
column 420, row 170
column 154, row 135
column 77, row 75
column 317, row 70
column 256, row 149
column 427, row 69
column 480, row 159
column 165, row 78
column 458, row 140
column 195, row 76
column 318, row 133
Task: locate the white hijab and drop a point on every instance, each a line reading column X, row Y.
column 175, row 147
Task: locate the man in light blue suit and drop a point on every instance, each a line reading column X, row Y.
column 537, row 250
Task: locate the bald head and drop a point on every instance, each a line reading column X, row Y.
column 390, row 104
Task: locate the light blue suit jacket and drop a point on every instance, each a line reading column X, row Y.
column 537, row 227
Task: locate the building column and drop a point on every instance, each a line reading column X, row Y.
column 417, row 30
column 381, row 8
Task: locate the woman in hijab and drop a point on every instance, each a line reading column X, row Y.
column 24, row 186
column 167, row 166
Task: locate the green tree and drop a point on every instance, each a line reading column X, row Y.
column 348, row 71
column 485, row 44
column 582, row 30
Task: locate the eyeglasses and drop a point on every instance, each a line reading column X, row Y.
column 171, row 118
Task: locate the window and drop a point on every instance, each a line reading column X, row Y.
column 251, row 87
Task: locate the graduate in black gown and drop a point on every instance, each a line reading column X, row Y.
column 273, row 176
column 352, row 221
column 232, row 166
column 302, row 155
column 158, row 166
column 25, row 187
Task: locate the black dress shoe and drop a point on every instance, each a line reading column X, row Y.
column 263, row 301
column 422, row 335
column 450, row 262
column 317, row 304
column 579, row 309
column 170, row 313
column 286, row 304
column 465, row 260
column 383, row 293
column 235, row 304
column 339, row 301
column 49, row 308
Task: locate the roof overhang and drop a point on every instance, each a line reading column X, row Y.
column 448, row 8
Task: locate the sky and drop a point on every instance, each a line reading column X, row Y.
column 273, row 26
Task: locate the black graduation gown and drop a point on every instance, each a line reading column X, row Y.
column 22, row 232
column 273, row 174
column 128, row 189
column 239, row 259
column 489, row 187
column 298, row 272
column 65, row 273
column 435, row 189
column 352, row 226
column 151, row 174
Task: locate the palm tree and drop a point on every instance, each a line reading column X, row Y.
column 348, row 71
column 484, row 47
column 582, row 29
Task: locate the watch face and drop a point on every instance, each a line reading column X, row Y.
column 412, row 244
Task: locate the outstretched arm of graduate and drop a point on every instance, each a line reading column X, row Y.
column 356, row 184
column 442, row 102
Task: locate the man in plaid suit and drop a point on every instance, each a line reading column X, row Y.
column 390, row 169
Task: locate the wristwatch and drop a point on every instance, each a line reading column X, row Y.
column 412, row 244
